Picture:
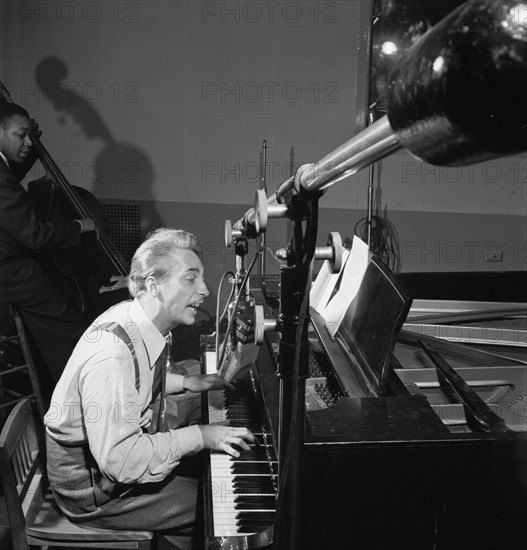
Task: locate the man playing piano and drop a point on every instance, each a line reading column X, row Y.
column 107, row 464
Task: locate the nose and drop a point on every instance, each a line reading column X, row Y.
column 28, row 141
column 203, row 290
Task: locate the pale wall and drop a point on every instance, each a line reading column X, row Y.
column 167, row 103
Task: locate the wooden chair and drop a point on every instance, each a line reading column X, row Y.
column 34, row 517
column 15, row 374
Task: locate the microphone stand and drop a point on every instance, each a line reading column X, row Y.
column 295, row 278
column 369, row 219
column 241, row 248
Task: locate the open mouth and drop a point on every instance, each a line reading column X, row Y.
column 194, row 307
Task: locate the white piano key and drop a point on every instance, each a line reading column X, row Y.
column 225, row 509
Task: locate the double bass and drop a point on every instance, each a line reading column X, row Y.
column 92, row 275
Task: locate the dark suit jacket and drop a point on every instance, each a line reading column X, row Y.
column 22, row 236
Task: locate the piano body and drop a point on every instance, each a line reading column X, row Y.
column 429, row 454
column 392, row 458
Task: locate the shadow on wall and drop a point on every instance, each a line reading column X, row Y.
column 121, row 165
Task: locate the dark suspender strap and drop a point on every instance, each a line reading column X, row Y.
column 118, row 330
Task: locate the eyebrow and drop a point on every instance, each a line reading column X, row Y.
column 196, row 269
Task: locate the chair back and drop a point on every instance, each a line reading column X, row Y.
column 18, row 371
column 21, row 467
column 34, row 517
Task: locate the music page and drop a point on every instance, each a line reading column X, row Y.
column 348, row 285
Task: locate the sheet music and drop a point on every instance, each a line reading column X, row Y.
column 324, row 283
column 353, row 273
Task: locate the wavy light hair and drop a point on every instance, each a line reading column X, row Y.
column 156, row 255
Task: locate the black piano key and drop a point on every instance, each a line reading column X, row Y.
column 258, row 453
column 250, row 520
column 251, row 479
column 253, row 506
column 268, row 491
column 264, row 487
column 256, row 502
column 239, row 468
column 239, row 484
column 254, row 526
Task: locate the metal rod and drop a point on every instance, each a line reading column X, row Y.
column 263, row 186
column 372, row 144
column 375, row 142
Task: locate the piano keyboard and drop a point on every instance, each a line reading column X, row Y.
column 243, row 489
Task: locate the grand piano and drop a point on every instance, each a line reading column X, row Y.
column 402, row 463
column 409, row 437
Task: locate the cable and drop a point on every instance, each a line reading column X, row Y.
column 235, row 307
column 384, row 240
column 219, row 317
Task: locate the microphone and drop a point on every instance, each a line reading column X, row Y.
column 455, row 97
column 241, row 350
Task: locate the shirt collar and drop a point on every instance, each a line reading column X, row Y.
column 154, row 341
column 2, row 156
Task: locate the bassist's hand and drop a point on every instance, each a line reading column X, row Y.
column 36, row 131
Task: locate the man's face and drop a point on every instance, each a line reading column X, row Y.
column 183, row 290
column 15, row 142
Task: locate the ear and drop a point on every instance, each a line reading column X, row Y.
column 151, row 286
